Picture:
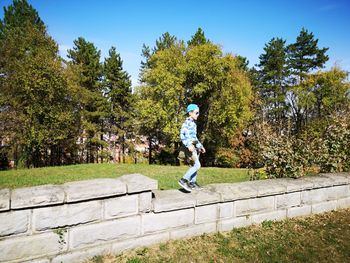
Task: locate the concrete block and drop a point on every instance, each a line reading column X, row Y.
column 205, row 197
column 274, row 215
column 270, row 187
column 29, row 247
column 4, row 199
column 121, row 206
column 14, row 222
column 303, row 184
column 91, row 189
column 164, row 221
column 314, row 196
column 338, row 178
column 237, row 222
column 299, row 211
column 206, row 214
column 320, row 181
column 255, row 205
column 226, row 210
column 231, row 192
column 241, row 191
column 323, row 207
column 136, row 183
column 66, row 215
column 338, row 192
column 167, row 200
column 291, row 185
column 98, row 233
column 145, row 202
column 343, row 203
column 120, row 246
column 193, row 231
column 288, row 200
column 82, row 254
column 36, row 196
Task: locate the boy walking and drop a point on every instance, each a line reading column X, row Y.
column 188, row 135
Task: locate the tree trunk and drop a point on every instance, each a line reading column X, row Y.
column 149, row 149
column 123, row 147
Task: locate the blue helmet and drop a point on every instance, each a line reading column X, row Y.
column 192, row 107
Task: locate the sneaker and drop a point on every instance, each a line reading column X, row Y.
column 195, row 186
column 185, row 184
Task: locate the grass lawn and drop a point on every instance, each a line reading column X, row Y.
column 318, row 238
column 167, row 176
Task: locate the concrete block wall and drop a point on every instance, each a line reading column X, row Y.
column 78, row 220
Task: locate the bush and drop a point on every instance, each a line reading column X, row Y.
column 227, row 157
column 332, row 150
column 286, row 157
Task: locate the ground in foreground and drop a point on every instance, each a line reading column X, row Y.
column 317, row 238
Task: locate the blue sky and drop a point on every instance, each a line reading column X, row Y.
column 240, row 27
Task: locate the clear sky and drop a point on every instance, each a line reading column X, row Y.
column 240, row 27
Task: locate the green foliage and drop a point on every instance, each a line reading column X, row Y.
column 179, row 75
column 19, row 14
column 286, row 157
column 226, row 157
column 37, row 106
column 282, row 155
column 272, row 82
column 117, row 89
column 304, row 55
column 198, row 38
column 85, row 61
column 332, row 152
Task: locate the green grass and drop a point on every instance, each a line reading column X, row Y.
column 167, row 176
column 318, row 238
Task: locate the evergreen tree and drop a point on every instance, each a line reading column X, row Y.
column 303, row 56
column 272, row 78
column 198, row 38
column 19, row 15
column 93, row 104
column 163, row 42
column 117, row 85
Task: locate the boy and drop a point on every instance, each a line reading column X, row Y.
column 188, row 135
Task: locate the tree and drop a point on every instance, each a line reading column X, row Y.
column 94, row 107
column 19, row 15
column 164, row 42
column 272, row 79
column 36, row 106
column 198, row 38
column 303, row 56
column 117, row 88
column 197, row 73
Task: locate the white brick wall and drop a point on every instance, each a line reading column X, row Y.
column 81, row 219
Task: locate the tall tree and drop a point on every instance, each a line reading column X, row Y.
column 117, row 85
column 93, row 104
column 36, row 106
column 201, row 74
column 303, row 56
column 272, row 78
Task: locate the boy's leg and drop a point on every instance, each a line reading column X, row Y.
column 193, row 170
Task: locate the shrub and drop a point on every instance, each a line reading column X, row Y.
column 332, row 151
column 227, row 157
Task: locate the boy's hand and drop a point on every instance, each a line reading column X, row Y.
column 191, row 148
column 203, row 150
